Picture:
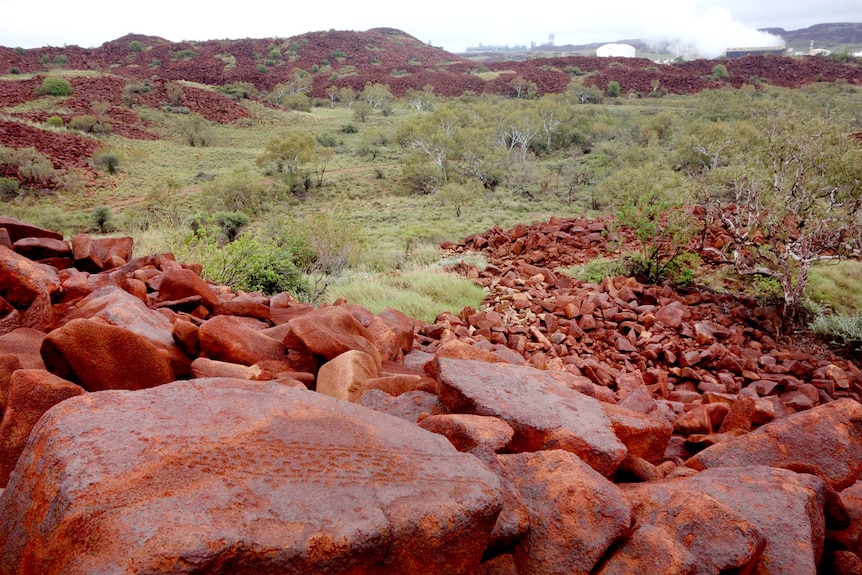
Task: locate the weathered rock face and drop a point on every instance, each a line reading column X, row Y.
column 31, row 393
column 122, row 309
column 544, row 414
column 332, row 331
column 825, row 441
column 265, row 479
column 717, row 538
column 575, row 514
column 99, row 356
column 786, row 507
column 551, row 385
column 227, row 338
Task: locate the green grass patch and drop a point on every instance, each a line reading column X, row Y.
column 836, row 286
column 422, row 293
column 595, row 270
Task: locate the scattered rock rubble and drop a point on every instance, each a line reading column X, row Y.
column 154, row 422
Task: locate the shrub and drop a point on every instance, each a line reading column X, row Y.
column 135, row 46
column 349, row 129
column 194, row 130
column 30, row 164
column 61, row 60
column 719, row 72
column 238, row 90
column 55, row 121
column 84, row 123
column 91, row 124
column 231, row 223
column 249, row 263
column 138, row 87
column 239, row 191
column 842, row 329
column 186, row 54
column 14, row 70
column 296, row 102
column 9, row 189
column 613, row 89
column 262, row 68
column 20, row 51
column 327, row 140
column 100, row 217
column 54, row 86
column 108, row 161
column 155, row 63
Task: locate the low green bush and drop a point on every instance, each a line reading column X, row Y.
column 54, row 86
column 107, row 161
column 9, row 189
column 841, row 329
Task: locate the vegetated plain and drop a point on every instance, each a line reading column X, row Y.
column 362, row 212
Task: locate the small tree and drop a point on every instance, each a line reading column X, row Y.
column 194, row 130
column 377, row 95
column 361, row 110
column 288, row 154
column 347, row 95
column 459, row 195
column 100, row 217
column 523, row 88
column 332, row 93
column 135, row 46
column 789, row 197
column 614, row 89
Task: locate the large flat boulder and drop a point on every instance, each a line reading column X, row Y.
column 543, row 413
column 225, row 477
column 18, row 230
column 825, row 441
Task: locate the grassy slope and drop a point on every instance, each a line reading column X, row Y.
column 367, row 193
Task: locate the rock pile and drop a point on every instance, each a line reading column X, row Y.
column 156, row 423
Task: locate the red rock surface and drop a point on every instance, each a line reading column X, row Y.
column 264, row 479
column 554, row 390
column 575, row 514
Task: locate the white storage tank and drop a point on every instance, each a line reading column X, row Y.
column 616, row 51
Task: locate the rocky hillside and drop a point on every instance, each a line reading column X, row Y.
column 136, row 71
column 828, row 35
column 154, row 422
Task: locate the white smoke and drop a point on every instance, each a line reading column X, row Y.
column 708, row 34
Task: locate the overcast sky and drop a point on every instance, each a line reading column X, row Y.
column 711, row 26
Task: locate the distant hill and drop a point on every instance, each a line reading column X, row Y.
column 831, row 36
